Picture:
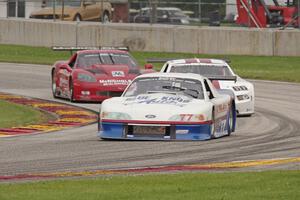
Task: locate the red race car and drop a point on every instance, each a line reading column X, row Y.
column 94, row 74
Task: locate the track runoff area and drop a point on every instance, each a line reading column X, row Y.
column 268, row 129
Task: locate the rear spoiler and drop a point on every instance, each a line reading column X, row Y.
column 222, row 78
column 160, row 60
column 71, row 49
column 163, row 60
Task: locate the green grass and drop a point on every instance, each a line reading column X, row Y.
column 253, row 185
column 254, row 67
column 18, row 115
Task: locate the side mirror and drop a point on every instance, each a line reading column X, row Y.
column 208, row 94
column 66, row 67
column 149, row 66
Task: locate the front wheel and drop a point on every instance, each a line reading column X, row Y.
column 105, row 18
column 213, row 125
column 54, row 87
column 231, row 119
column 77, row 18
column 71, row 91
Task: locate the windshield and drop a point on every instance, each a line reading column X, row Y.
column 168, row 85
column 74, row 3
column 177, row 13
column 89, row 59
column 204, row 70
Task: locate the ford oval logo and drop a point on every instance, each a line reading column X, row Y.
column 150, row 116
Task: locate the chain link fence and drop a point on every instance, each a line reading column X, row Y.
column 246, row 13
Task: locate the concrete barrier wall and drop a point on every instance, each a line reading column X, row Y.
column 144, row 37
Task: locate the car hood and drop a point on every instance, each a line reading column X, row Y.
column 112, row 71
column 111, row 75
column 157, row 106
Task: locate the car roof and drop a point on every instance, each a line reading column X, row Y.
column 197, row 60
column 174, row 75
column 163, row 8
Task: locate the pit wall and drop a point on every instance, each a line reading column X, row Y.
column 160, row 38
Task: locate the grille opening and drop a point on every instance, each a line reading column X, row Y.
column 149, row 131
column 109, row 93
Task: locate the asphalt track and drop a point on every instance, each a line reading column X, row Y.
column 272, row 133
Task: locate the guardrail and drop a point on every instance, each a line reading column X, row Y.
column 145, row 37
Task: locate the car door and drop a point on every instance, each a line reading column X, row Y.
column 91, row 10
column 221, row 105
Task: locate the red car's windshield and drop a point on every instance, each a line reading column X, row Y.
column 88, row 59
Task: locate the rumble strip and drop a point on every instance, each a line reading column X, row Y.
column 160, row 169
column 65, row 116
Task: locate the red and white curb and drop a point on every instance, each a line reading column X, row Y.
column 144, row 170
column 66, row 116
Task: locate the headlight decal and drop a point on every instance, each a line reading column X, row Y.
column 86, row 78
column 240, row 88
column 243, row 97
column 115, row 115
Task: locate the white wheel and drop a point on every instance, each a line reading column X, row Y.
column 77, row 18
column 105, row 18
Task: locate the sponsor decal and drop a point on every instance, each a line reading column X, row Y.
column 182, row 131
column 117, row 74
column 150, row 116
column 220, row 127
column 222, row 108
column 114, row 82
column 63, row 81
column 170, row 100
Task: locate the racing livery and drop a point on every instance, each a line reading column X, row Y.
column 168, row 106
column 94, row 74
column 222, row 77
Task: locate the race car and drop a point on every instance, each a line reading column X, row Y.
column 222, row 77
column 93, row 74
column 168, row 106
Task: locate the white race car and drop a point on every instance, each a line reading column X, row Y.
column 168, row 106
column 222, row 77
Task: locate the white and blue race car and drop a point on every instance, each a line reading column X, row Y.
column 222, row 77
column 168, row 106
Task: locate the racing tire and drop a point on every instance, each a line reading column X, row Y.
column 230, row 121
column 53, row 83
column 213, row 125
column 77, row 18
column 72, row 91
column 105, row 18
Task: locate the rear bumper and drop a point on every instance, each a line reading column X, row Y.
column 119, row 131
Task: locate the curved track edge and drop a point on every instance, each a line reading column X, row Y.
column 158, row 169
column 66, row 116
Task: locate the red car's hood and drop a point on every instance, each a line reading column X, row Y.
column 114, row 71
